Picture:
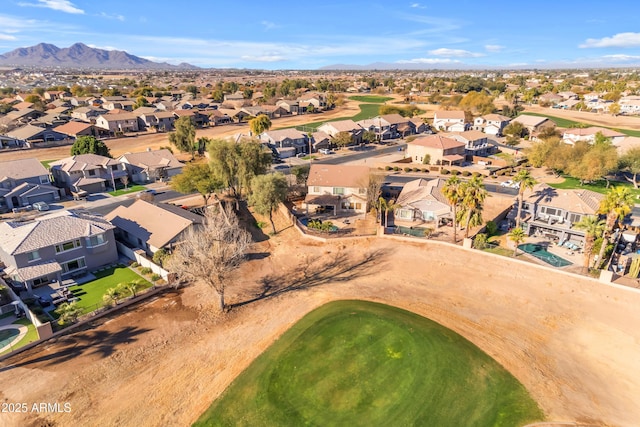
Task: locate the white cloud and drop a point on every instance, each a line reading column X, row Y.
column 93, row 46
column 60, row 5
column 268, row 25
column 493, row 48
column 7, row 37
column 114, row 16
column 455, row 53
column 617, row 40
column 428, row 61
column 621, row 57
column 263, row 58
column 417, row 6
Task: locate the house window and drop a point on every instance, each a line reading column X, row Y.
column 405, row 213
column 92, row 172
column 338, row 190
column 114, row 168
column 573, row 218
column 40, row 281
column 428, row 216
column 67, row 246
column 73, row 265
column 44, row 180
column 96, row 240
column 33, row 256
column 551, row 211
column 362, row 190
column 316, row 189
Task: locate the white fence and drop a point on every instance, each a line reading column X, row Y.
column 139, row 257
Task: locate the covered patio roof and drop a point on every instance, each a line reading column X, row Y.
column 322, row 199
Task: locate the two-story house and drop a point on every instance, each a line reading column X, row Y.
column 491, row 124
column 149, row 166
column 55, row 246
column 340, row 188
column 534, row 124
column 450, row 121
column 437, row 149
column 287, row 142
column 124, row 122
column 475, row 142
column 87, row 172
column 152, row 226
column 349, row 126
column 159, row 120
column 553, row 213
column 571, row 136
column 24, row 182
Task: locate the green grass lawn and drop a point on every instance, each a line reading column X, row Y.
column 566, row 123
column 130, row 189
column 376, row 99
column 46, row 163
column 599, row 186
column 90, row 293
column 32, row 334
column 366, row 111
column 356, row 363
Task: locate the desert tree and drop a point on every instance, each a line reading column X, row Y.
column 525, row 182
column 184, row 136
column 211, row 253
column 197, row 177
column 630, row 162
column 112, row 295
column 260, row 124
column 517, row 236
column 89, row 145
column 125, row 181
column 593, row 228
column 267, row 192
column 616, row 205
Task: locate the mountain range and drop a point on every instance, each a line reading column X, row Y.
column 80, row 55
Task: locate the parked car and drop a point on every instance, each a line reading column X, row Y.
column 40, row 206
column 325, row 151
column 148, row 191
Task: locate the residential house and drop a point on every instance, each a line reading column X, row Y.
column 55, row 247
column 152, row 226
column 150, row 165
column 75, row 129
column 23, row 116
column 53, row 95
column 217, row 117
column 235, row 115
column 320, row 140
column 491, row 124
column 34, row 134
column 420, row 126
column 421, row 201
column 437, row 149
column 571, row 136
column 568, row 95
column 161, row 120
column 88, row 114
column 534, row 124
column 275, row 111
column 87, row 172
column 286, row 139
column 450, row 121
column 349, row 126
column 8, row 142
column 553, row 213
column 341, row 188
column 550, row 99
column 318, row 100
column 374, row 125
column 166, row 105
column 80, row 101
column 113, row 123
column 475, row 142
column 628, row 105
column 291, row 107
column 627, row 144
column 24, row 182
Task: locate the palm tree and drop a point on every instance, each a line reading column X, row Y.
column 68, row 312
column 452, row 191
column 112, row 296
column 616, row 205
column 386, row 206
column 517, row 236
column 593, row 227
column 473, row 196
column 133, row 287
column 526, row 181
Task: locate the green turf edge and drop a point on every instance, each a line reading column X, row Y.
column 567, row 123
column 255, row 385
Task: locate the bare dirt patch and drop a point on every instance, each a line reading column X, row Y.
column 573, row 342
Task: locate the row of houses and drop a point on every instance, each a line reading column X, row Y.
column 24, row 182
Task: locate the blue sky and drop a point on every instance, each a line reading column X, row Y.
column 309, row 35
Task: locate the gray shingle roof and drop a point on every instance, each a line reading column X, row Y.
column 22, row 169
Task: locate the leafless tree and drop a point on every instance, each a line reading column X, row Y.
column 213, row 251
column 125, row 181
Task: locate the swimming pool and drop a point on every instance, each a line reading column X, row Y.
column 541, row 253
column 7, row 336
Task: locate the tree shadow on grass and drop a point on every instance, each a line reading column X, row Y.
column 322, row 270
column 92, row 342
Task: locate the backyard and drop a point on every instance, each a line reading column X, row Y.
column 90, row 294
column 32, row 334
column 395, row 367
column 599, row 186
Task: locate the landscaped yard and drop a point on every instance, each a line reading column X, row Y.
column 599, row 186
column 566, row 123
column 90, row 293
column 362, row 363
column 376, row 99
column 131, row 189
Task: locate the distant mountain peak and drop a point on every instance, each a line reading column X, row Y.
column 79, row 55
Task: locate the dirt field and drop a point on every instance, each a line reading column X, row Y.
column 574, row 343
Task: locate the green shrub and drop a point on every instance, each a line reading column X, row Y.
column 475, row 174
column 407, row 169
column 146, row 270
column 396, row 168
column 466, row 173
column 155, row 277
column 491, row 228
column 135, row 265
column 480, row 241
column 416, row 169
column 387, row 168
column 445, row 171
column 425, row 170
column 455, row 172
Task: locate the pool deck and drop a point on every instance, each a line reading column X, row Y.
column 22, row 332
column 575, row 257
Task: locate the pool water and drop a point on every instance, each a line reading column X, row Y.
column 541, row 253
column 8, row 335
